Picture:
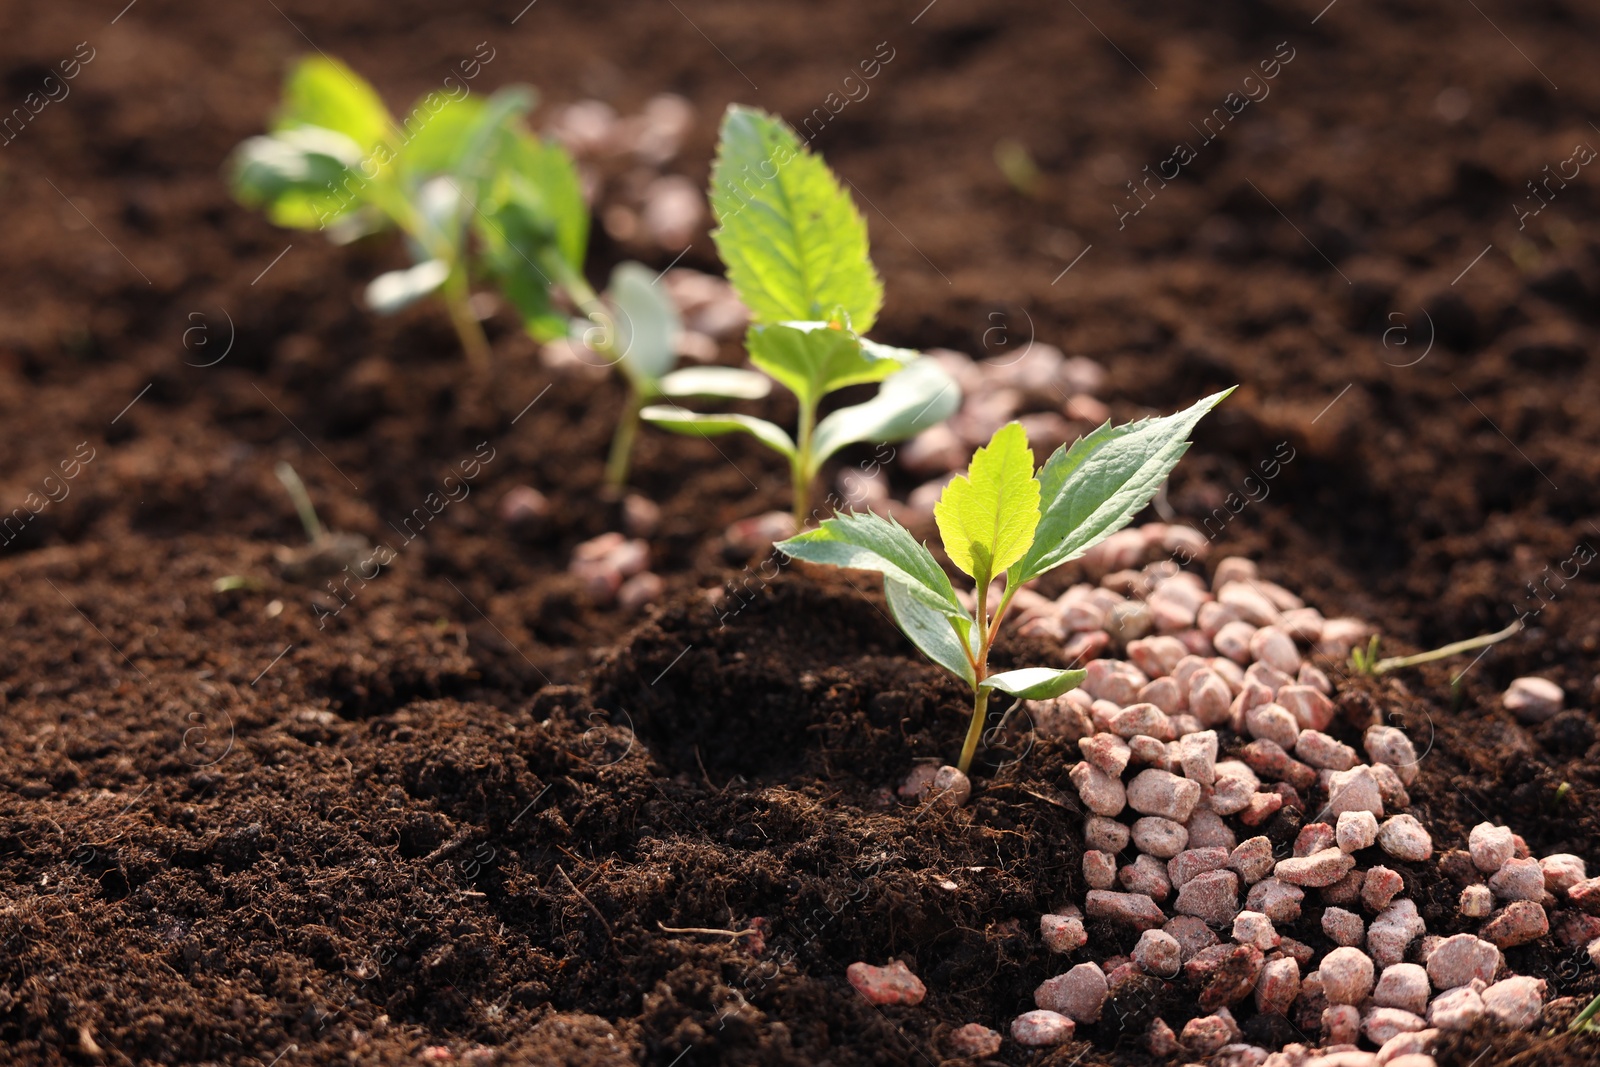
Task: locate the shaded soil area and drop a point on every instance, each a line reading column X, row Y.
column 459, row 809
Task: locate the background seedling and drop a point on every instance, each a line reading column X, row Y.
column 1584, row 1022
column 328, row 552
column 1002, row 518
column 796, row 252
column 639, row 331
column 324, row 553
column 1366, row 661
column 472, row 191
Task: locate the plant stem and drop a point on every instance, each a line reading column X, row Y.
column 302, row 501
column 468, row 328
column 980, row 713
column 448, row 246
column 1394, row 662
column 980, row 671
column 622, row 440
column 801, row 466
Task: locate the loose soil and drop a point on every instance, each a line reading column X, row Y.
column 240, row 828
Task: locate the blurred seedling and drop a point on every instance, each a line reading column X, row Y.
column 1002, row 517
column 1585, row 1023
column 474, row 193
column 1366, row 661
column 796, row 253
column 1016, row 163
column 638, row 328
column 327, row 553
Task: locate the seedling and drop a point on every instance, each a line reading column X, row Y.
column 1003, row 518
column 324, row 553
column 327, row 552
column 1366, row 661
column 337, row 161
column 796, row 252
column 1584, row 1022
column 641, row 335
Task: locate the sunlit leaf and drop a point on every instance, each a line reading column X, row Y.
column 794, row 244
column 987, row 516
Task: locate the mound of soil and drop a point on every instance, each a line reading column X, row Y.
column 451, row 810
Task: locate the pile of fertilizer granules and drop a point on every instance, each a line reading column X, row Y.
column 1175, row 848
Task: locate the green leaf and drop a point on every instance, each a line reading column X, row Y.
column 434, row 144
column 812, row 359
column 534, row 202
column 907, row 403
column 303, row 176
column 647, row 322
column 496, row 140
column 794, row 243
column 393, row 290
column 1094, row 488
column 734, row 383
column 521, row 284
column 987, row 516
column 465, row 138
column 676, row 419
column 870, row 543
column 928, row 629
column 324, row 92
column 1035, row 683
column 533, row 209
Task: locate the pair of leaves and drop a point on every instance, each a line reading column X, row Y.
column 1000, row 518
column 813, row 359
column 941, row 638
column 910, row 400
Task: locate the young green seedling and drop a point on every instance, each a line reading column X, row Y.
column 455, row 170
column 1366, row 661
column 796, row 251
column 640, row 334
column 1002, row 518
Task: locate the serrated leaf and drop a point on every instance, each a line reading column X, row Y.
column 928, row 629
column 908, row 402
column 393, row 290
column 733, row 383
column 676, row 419
column 321, row 91
column 1035, row 683
column 794, row 244
column 1094, row 488
column 987, row 516
column 812, row 359
column 871, row 543
column 647, row 322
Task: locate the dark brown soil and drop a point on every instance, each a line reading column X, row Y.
column 460, row 811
